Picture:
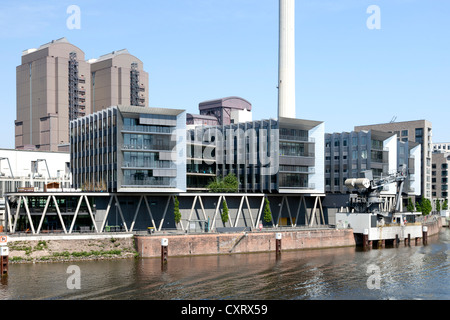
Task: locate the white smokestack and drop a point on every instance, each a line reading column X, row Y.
column 286, row 64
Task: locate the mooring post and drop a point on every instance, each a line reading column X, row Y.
column 4, row 253
column 424, row 234
column 164, row 250
column 409, row 239
column 278, row 243
column 366, row 238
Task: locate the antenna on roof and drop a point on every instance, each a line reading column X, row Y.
column 393, row 119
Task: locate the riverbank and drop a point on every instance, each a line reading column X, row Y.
column 57, row 248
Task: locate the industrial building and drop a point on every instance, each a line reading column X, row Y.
column 118, row 78
column 55, row 84
column 30, row 171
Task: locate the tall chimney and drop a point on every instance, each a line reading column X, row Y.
column 286, row 63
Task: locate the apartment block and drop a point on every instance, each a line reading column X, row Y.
column 350, row 154
column 441, row 147
column 129, row 149
column 118, row 78
column 419, row 131
column 440, row 177
column 53, row 83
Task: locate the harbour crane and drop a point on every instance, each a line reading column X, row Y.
column 368, row 199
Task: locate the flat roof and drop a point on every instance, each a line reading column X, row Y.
column 148, row 110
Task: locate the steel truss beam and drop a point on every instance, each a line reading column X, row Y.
column 313, row 216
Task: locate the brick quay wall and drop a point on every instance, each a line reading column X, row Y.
column 251, row 242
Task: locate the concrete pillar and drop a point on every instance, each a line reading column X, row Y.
column 425, row 235
column 278, row 243
column 164, row 250
column 286, row 67
column 4, row 261
column 365, row 238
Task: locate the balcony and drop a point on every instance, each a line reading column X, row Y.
column 150, row 182
column 296, row 138
column 148, row 129
column 152, row 147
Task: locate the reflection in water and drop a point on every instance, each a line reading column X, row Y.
column 405, row 273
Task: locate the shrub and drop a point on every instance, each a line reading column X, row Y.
column 227, row 184
column 224, row 212
column 267, row 212
column 176, row 211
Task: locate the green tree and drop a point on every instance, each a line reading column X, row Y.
column 438, row 205
column 225, row 216
column 426, row 207
column 445, row 205
column 227, row 184
column 267, row 212
column 176, row 210
column 418, row 207
column 410, row 206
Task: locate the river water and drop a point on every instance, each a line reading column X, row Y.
column 404, row 272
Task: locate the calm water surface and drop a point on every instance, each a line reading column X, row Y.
column 420, row 272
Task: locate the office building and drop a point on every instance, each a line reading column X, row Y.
column 129, row 149
column 118, row 78
column 419, row 131
column 53, row 83
column 267, row 156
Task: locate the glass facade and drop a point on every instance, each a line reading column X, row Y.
column 265, row 156
column 119, row 148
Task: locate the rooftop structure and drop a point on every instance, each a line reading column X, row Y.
column 222, row 111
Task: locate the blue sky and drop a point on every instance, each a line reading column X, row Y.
column 196, row 50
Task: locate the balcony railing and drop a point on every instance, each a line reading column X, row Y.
column 168, row 147
column 149, row 165
column 149, row 129
column 296, row 138
column 149, row 182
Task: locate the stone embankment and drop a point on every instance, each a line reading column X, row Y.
column 229, row 243
column 52, row 249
